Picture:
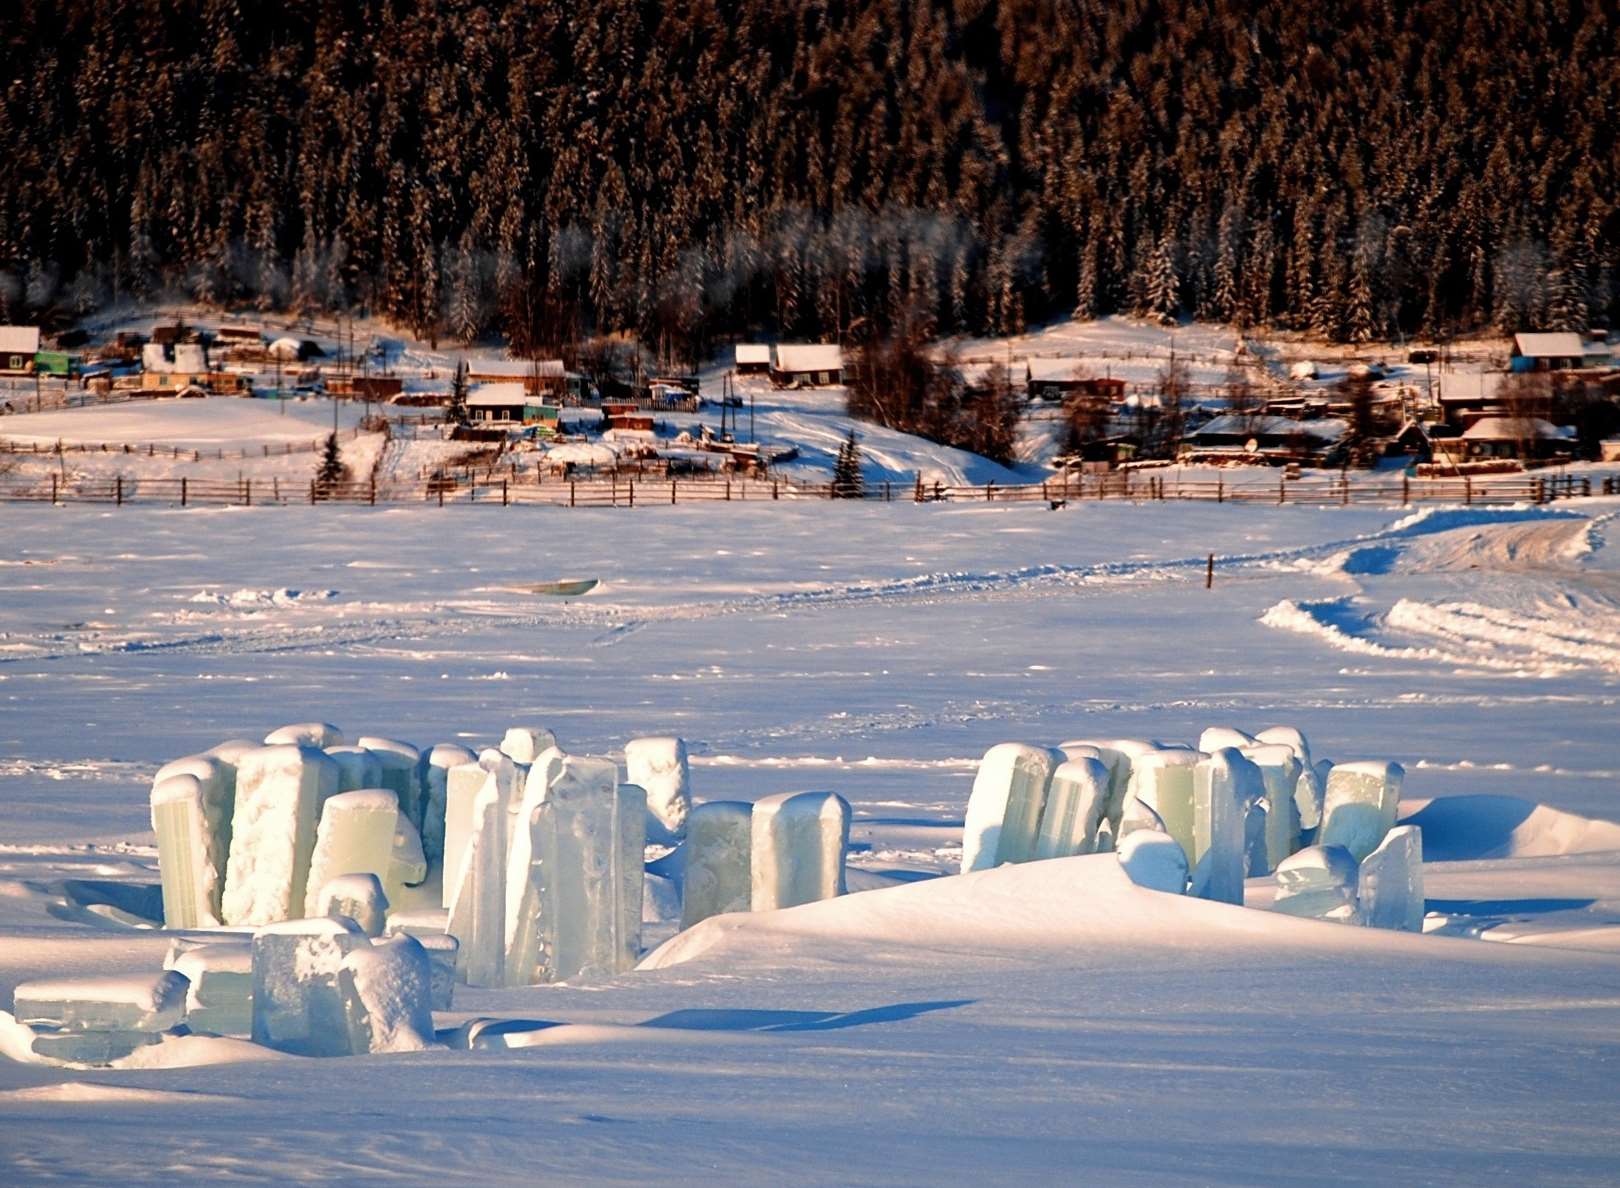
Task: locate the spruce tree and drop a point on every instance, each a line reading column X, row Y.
column 455, row 413
column 847, row 482
column 331, row 471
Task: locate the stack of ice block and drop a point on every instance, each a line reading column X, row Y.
column 102, row 1019
column 297, row 1001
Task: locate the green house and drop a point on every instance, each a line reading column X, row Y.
column 57, row 363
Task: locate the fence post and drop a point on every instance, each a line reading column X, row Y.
column 613, row 490
column 1220, row 489
column 1406, row 488
column 1282, row 490
column 503, row 492
column 118, row 490
column 371, row 494
column 570, row 492
column 1344, row 487
column 53, row 490
column 939, row 491
column 728, row 490
column 312, row 492
column 672, row 492
column 247, row 489
column 1468, row 490
column 632, row 492
column 1586, row 486
column 441, row 493
column 776, row 489
column 989, row 488
column 183, row 490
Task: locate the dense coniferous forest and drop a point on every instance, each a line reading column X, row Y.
column 692, row 169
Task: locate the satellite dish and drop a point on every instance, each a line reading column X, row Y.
column 1252, row 446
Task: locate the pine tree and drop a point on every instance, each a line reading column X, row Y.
column 455, row 413
column 331, row 471
column 847, row 481
column 1162, row 289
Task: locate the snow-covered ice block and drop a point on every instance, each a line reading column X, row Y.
column 1004, row 808
column 1360, row 805
column 1216, row 737
column 230, row 751
column 462, row 784
column 798, row 844
column 433, row 775
column 1287, row 736
column 419, row 922
column 401, row 773
column 523, row 744
column 1076, row 805
column 388, row 997
column 219, row 995
column 355, row 837
column 407, row 867
column 659, row 767
column 1118, row 762
column 91, row 1047
column 587, row 841
column 359, row 897
column 357, row 768
column 1225, row 786
column 279, row 792
column 1309, row 793
column 191, row 819
column 717, row 860
column 522, row 888
column 1154, row 860
column 119, row 1002
column 319, row 735
column 441, row 950
column 1163, row 782
column 478, row 906
column 1390, row 882
column 1319, row 883
column 297, row 1003
column 1280, row 769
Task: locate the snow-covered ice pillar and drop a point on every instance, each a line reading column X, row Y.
column 718, row 852
column 1318, row 883
column 1076, row 805
column 798, row 841
column 478, row 907
column 1163, row 782
column 319, row 735
column 387, row 991
column 462, row 784
column 297, row 1004
column 401, row 773
column 1004, row 808
column 1360, row 805
column 432, row 775
column 659, row 766
column 523, row 939
column 1280, row 769
column 355, row 837
column 359, row 897
column 191, row 817
column 1216, row 737
column 1287, row 736
column 1390, row 886
column 357, row 768
column 525, row 744
column 1225, row 785
column 279, row 791
column 1154, row 860
column 588, row 838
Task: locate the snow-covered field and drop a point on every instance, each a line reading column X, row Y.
column 1038, row 1023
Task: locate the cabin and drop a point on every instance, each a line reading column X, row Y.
column 807, row 364
column 169, row 358
column 380, row 388
column 1058, row 379
column 510, row 404
column 538, row 376
column 239, row 336
column 18, row 346
column 753, row 358
column 1271, row 439
column 1561, row 350
column 1525, row 438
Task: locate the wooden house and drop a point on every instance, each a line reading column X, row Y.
column 1561, row 350
column 1058, row 379
column 807, row 364
column 753, row 358
column 510, row 404
column 18, row 346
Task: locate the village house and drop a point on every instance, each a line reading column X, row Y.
column 753, row 358
column 1562, row 350
column 1524, row 437
column 510, row 404
column 18, row 346
column 807, row 364
column 1058, row 379
column 1275, row 440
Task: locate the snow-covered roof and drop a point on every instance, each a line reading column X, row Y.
column 809, row 356
column 19, row 340
column 516, row 368
column 1470, row 385
column 1561, row 344
column 1511, row 429
column 499, row 396
column 1056, row 370
column 1325, row 429
column 753, row 353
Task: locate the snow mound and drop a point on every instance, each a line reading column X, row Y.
column 1462, row 828
column 248, row 598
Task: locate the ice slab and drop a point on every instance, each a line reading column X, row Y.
column 297, row 1002
column 357, row 768
column 717, row 860
column 122, row 1002
column 587, row 840
column 401, row 773
column 1004, row 808
column 1154, row 860
column 189, row 817
column 1390, row 883
column 355, row 838
column 478, row 906
column 433, row 775
column 1281, row 770
column 91, row 1047
column 524, row 744
column 1076, row 807
column 659, row 767
column 279, row 792
column 387, row 997
column 1319, row 883
column 1163, row 781
column 359, row 897
column 1225, row 786
column 219, row 995
column 798, row 843
column 319, row 735
column 1360, row 805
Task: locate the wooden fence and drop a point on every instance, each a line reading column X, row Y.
column 643, row 492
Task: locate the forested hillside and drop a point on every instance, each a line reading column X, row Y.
column 693, row 169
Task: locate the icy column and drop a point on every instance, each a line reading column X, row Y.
column 433, row 775
column 718, row 848
column 191, row 851
column 1004, row 808
column 279, row 790
column 659, row 766
column 1224, row 786
column 1391, row 882
column 1360, row 805
column 359, row 897
column 357, row 768
column 1076, row 804
column 1163, row 782
column 319, row 735
column 219, row 994
column 462, row 784
column 1154, row 860
column 524, row 744
column 523, row 940
column 401, row 773
column 798, row 844
column 388, row 997
column 1280, row 769
column 297, row 1004
column 588, row 837
column 355, row 836
column 1318, row 883
column 478, row 908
